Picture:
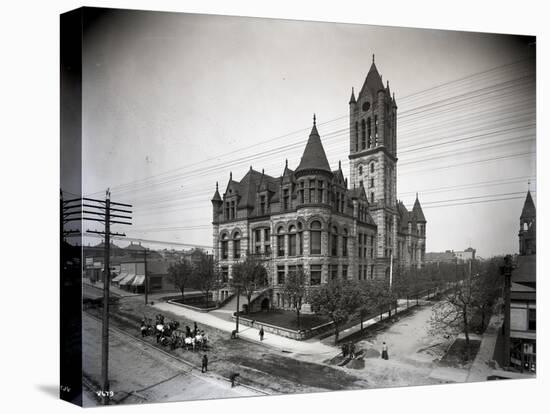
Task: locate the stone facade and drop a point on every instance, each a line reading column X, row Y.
column 311, row 217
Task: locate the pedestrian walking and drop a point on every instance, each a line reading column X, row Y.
column 384, row 351
column 262, row 333
column 204, row 364
column 352, row 350
column 232, row 378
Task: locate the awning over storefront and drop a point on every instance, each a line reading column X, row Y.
column 127, row 280
column 119, row 277
column 139, row 280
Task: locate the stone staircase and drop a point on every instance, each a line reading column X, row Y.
column 231, row 303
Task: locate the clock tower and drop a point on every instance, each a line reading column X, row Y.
column 373, row 160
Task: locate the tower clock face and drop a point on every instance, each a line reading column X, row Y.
column 366, row 106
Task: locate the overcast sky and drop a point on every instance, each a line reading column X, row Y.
column 173, row 102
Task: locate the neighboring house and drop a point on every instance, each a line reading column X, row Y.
column 447, row 256
column 523, row 294
column 311, row 218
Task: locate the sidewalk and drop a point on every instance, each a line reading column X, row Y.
column 112, row 289
column 401, row 307
column 480, row 369
column 308, row 347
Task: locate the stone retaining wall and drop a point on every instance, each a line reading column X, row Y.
column 286, row 332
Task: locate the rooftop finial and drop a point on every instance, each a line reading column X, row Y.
column 251, row 168
column 340, row 164
column 286, row 163
column 230, row 175
column 528, row 185
column 417, row 196
column 373, row 58
column 216, row 186
column 388, row 84
column 262, row 171
column 314, row 120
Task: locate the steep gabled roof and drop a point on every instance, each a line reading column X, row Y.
column 249, row 186
column 314, row 157
column 404, row 215
column 529, row 210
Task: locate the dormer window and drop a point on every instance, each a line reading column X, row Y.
column 262, row 205
column 286, row 199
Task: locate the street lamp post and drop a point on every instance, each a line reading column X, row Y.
column 237, row 314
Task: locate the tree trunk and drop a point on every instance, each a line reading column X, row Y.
column 182, row 294
column 248, row 297
column 298, row 316
column 466, row 333
column 336, row 333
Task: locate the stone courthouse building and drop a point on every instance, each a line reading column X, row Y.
column 312, row 217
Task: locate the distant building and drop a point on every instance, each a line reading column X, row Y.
column 451, row 256
column 447, row 256
column 466, row 255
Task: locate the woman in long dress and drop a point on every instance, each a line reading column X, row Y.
column 384, row 351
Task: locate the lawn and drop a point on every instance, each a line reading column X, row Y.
column 456, row 356
column 197, row 303
column 287, row 319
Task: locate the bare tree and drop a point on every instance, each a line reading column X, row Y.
column 181, row 275
column 249, row 276
column 205, row 275
column 337, row 300
column 294, row 289
column 454, row 313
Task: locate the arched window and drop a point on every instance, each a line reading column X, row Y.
column 334, row 242
column 300, row 239
column 372, row 167
column 237, row 245
column 224, row 243
column 360, row 170
column 280, row 241
column 292, row 241
column 315, row 238
column 356, row 136
column 369, row 132
column 363, row 136
column 345, row 243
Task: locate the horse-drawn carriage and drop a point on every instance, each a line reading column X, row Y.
column 168, row 334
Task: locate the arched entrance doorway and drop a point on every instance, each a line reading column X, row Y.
column 265, row 304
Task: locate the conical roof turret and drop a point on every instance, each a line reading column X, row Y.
column 314, row 156
column 529, row 211
column 417, row 211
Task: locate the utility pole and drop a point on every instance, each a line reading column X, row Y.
column 101, row 211
column 146, row 278
column 106, row 285
column 237, row 314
